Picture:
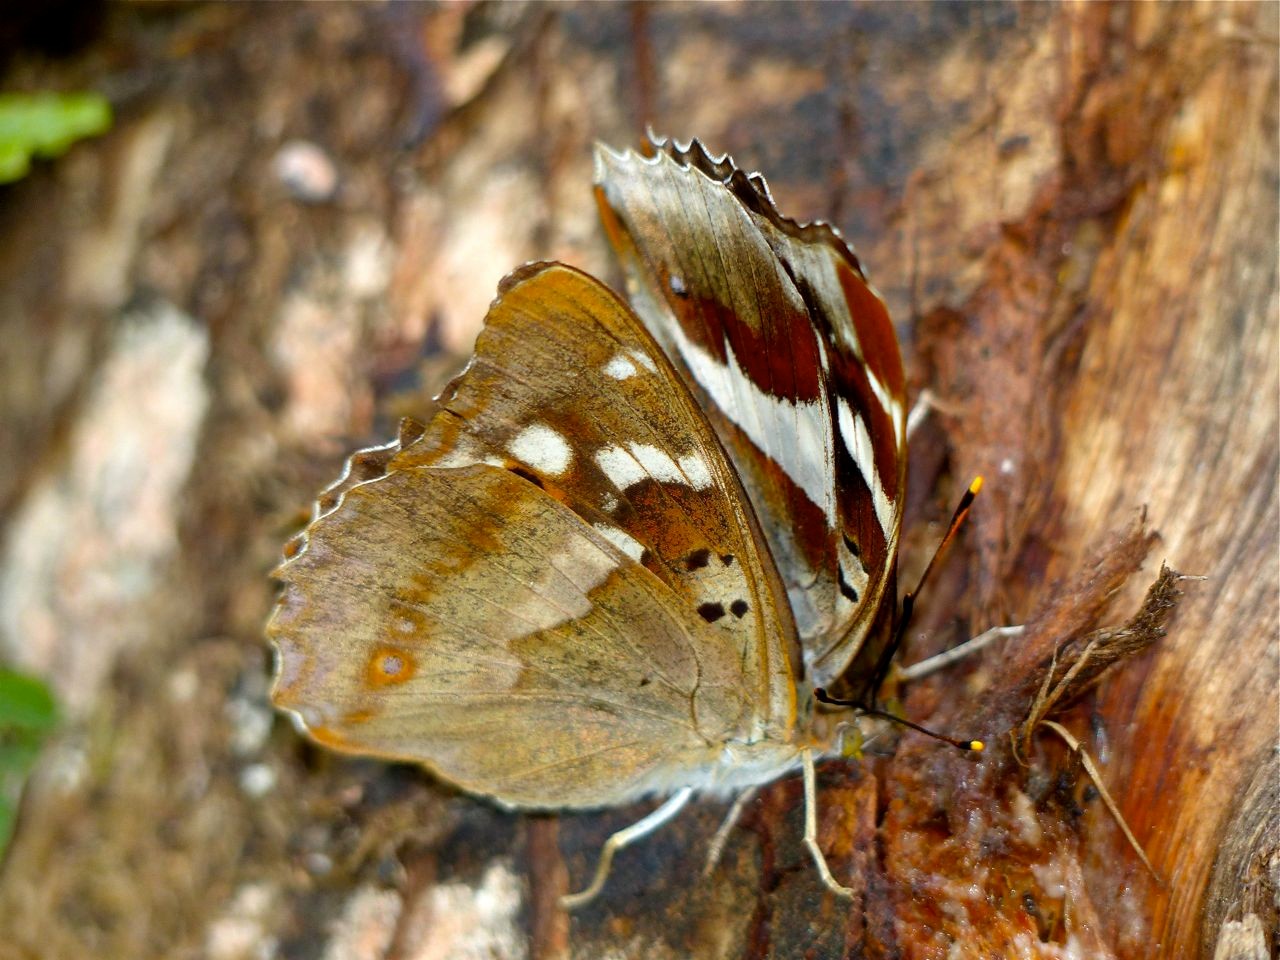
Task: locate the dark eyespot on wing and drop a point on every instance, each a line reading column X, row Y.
column 711, row 612
column 739, row 608
column 850, row 594
column 698, row 559
column 726, row 559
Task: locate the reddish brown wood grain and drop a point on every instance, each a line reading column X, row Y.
column 1072, row 211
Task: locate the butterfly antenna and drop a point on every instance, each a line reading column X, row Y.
column 957, row 519
column 881, row 670
column 974, row 746
column 865, row 703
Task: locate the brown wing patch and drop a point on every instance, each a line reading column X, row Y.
column 552, row 670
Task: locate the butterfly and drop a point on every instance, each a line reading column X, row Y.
column 637, row 535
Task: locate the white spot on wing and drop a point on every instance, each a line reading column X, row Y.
column 889, row 405
column 695, row 468
column 620, row 368
column 542, row 448
column 620, row 467
column 642, row 461
column 644, row 360
column 857, row 440
column 794, row 435
column 628, row 544
column 659, row 465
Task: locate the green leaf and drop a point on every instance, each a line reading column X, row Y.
column 27, row 714
column 46, row 125
column 26, row 705
column 8, row 813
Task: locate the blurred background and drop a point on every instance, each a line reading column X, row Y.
column 239, row 240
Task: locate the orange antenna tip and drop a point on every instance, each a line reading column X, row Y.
column 976, row 485
column 977, row 746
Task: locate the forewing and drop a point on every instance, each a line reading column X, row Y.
column 553, row 593
column 568, row 390
column 794, row 360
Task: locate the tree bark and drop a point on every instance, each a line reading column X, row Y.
column 290, row 238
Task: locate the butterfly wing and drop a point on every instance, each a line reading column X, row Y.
column 552, row 594
column 795, row 362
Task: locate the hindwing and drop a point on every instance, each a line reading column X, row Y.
column 793, row 358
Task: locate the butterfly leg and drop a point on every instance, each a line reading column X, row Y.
column 730, row 821
column 923, row 406
column 642, row 828
column 811, row 828
column 945, row 659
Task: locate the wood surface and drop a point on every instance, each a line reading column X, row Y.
column 1072, row 212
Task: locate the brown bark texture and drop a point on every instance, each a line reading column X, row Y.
column 289, row 239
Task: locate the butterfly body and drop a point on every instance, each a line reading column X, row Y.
column 634, row 537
